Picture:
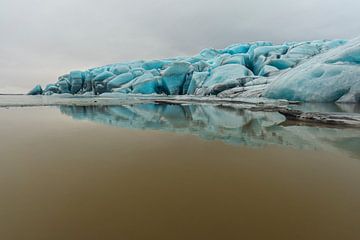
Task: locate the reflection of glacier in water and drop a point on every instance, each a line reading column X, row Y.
column 228, row 124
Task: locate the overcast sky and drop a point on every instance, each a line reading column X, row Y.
column 40, row 40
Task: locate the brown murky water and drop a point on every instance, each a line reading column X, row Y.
column 67, row 179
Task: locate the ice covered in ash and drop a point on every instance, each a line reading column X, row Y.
column 293, row 70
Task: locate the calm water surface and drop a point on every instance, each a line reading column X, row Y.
column 174, row 172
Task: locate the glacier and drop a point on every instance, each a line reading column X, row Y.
column 330, row 77
column 309, row 71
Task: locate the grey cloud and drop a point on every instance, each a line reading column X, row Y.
column 43, row 39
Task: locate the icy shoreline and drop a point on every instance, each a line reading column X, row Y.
column 348, row 117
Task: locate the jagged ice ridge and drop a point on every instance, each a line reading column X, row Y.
column 312, row 71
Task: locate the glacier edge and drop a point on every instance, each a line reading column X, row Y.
column 311, row 71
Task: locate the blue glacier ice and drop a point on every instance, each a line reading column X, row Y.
column 328, row 77
column 120, row 80
column 37, row 90
column 310, row 71
column 174, row 77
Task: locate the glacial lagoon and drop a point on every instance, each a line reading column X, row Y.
column 144, row 170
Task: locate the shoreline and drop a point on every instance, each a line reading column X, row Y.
column 283, row 107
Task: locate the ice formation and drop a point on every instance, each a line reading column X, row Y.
column 329, row 77
column 322, row 71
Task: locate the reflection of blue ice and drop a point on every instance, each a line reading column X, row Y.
column 327, row 107
column 231, row 125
